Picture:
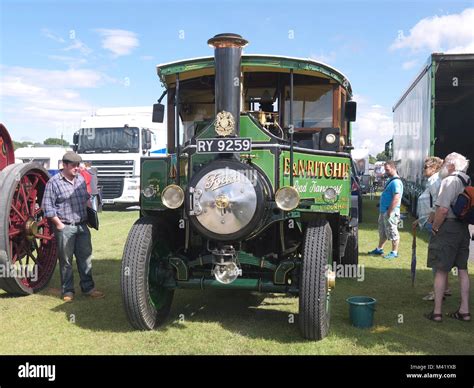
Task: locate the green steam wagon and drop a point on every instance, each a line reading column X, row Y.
column 255, row 191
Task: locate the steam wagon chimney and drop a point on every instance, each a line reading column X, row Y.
column 227, row 56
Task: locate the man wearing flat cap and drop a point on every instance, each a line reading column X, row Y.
column 65, row 203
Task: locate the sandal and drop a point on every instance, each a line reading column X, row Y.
column 465, row 317
column 438, row 318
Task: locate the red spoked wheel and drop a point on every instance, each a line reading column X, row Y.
column 27, row 244
column 7, row 155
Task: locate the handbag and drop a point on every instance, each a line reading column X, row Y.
column 92, row 218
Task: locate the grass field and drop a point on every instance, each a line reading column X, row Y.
column 217, row 322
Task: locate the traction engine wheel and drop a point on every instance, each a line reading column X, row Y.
column 27, row 243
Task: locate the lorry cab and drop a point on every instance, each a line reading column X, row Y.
column 113, row 140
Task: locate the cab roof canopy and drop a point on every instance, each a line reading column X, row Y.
column 204, row 66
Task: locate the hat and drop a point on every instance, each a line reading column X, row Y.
column 72, row 157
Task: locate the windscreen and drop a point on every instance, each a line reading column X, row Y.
column 105, row 140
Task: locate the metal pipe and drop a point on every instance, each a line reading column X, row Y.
column 176, row 135
column 240, row 284
column 292, row 128
column 227, row 57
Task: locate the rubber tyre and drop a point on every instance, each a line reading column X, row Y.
column 351, row 254
column 138, row 257
column 314, row 313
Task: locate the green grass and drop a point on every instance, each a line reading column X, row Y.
column 217, row 322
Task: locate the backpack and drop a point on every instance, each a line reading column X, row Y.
column 463, row 208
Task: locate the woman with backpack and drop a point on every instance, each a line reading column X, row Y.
column 426, row 205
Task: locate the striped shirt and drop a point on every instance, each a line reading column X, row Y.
column 66, row 200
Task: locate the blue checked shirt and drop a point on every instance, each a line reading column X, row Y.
column 66, row 200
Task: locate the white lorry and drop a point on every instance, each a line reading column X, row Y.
column 50, row 157
column 113, row 140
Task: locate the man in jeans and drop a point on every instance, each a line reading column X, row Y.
column 389, row 212
column 65, row 203
column 449, row 242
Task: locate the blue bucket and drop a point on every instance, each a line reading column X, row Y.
column 361, row 311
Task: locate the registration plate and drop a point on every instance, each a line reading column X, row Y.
column 108, row 201
column 239, row 144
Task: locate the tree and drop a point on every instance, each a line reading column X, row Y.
column 381, row 157
column 55, row 141
column 372, row 159
column 18, row 144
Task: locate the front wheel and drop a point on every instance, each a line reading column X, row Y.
column 144, row 270
column 314, row 299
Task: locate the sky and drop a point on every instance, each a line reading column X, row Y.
column 61, row 60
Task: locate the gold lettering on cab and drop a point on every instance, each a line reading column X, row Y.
column 315, row 169
column 215, row 181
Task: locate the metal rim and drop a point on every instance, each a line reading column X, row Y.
column 159, row 295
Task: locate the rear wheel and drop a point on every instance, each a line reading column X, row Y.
column 351, row 254
column 314, row 298
column 144, row 270
column 27, row 243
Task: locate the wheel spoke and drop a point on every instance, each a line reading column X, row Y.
column 14, row 233
column 44, row 221
column 25, row 197
column 23, row 218
column 33, row 194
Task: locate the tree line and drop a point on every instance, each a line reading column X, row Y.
column 50, row 141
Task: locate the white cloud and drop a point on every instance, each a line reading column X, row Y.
column 51, row 35
column 469, row 48
column 119, row 42
column 447, row 33
column 51, row 99
column 373, row 127
column 70, row 61
column 77, row 44
column 410, row 64
column 56, row 79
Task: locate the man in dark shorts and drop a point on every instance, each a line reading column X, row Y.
column 449, row 243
